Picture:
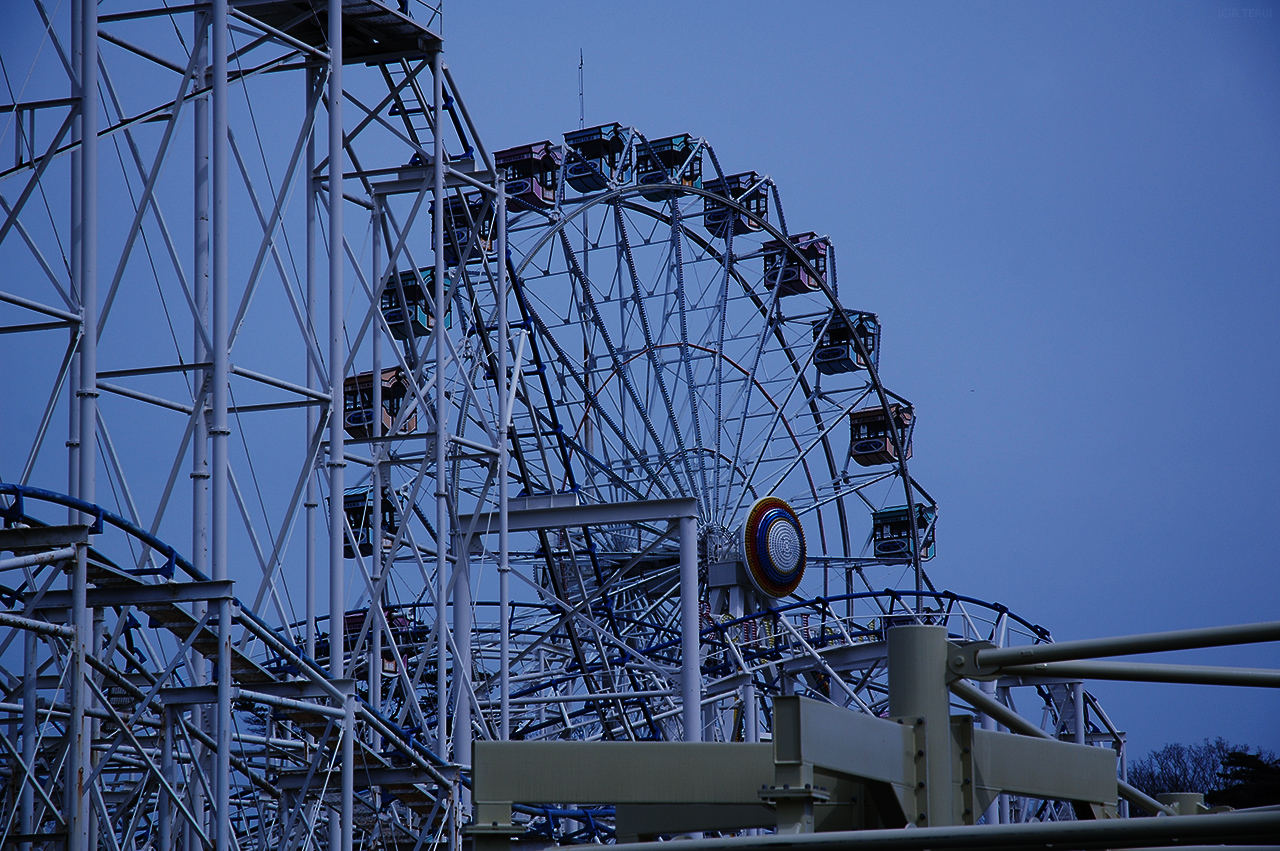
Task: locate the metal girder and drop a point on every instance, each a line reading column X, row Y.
column 531, row 519
column 839, row 740
column 42, row 537
column 142, row 595
column 827, row 767
column 621, row 772
column 1003, row 762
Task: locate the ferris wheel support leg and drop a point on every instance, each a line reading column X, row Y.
column 690, row 676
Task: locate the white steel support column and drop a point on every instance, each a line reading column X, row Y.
column 690, row 676
column 200, row 293
column 30, row 671
column 992, row 813
column 442, row 507
column 504, row 459
column 201, row 353
column 77, row 258
column 918, row 694
column 1077, row 702
column 462, row 661
column 312, row 500
column 348, row 768
column 167, row 804
column 220, row 429
column 78, row 757
column 337, row 356
column 337, row 359
column 377, row 450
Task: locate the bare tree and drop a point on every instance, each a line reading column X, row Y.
column 1199, row 768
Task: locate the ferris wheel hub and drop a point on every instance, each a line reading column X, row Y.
column 773, row 547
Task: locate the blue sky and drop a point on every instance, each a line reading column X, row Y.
column 1068, row 219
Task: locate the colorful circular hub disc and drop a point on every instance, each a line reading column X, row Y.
column 773, row 547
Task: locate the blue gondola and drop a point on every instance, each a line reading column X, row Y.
column 836, row 351
column 532, row 172
column 594, row 156
column 405, row 307
column 464, row 216
column 358, row 414
column 664, row 163
column 749, row 190
column 357, row 504
column 782, row 270
column 891, row 533
column 870, row 438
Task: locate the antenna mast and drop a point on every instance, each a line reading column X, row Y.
column 582, row 110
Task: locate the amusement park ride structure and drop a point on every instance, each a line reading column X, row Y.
column 416, row 494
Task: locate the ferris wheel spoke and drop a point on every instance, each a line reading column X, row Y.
column 722, row 309
column 572, row 372
column 620, row 367
column 656, row 370
column 682, row 299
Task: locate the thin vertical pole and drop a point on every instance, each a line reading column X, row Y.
column 992, row 813
column 504, row 460
column 166, row 771
column 337, row 590
column 200, row 281
column 1124, row 776
column 348, row 769
column 462, row 662
column 378, row 447
column 30, row 671
column 77, row 257
column 313, row 378
column 442, row 507
column 81, row 749
column 690, row 676
column 1003, row 801
column 201, row 353
column 1077, row 701
column 337, row 596
column 220, row 430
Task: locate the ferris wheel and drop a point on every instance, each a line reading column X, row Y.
column 677, row 342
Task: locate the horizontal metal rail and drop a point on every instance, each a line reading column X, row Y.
column 1155, row 642
column 1151, row 673
column 40, row 627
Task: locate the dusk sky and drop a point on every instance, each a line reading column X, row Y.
column 1068, row 219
